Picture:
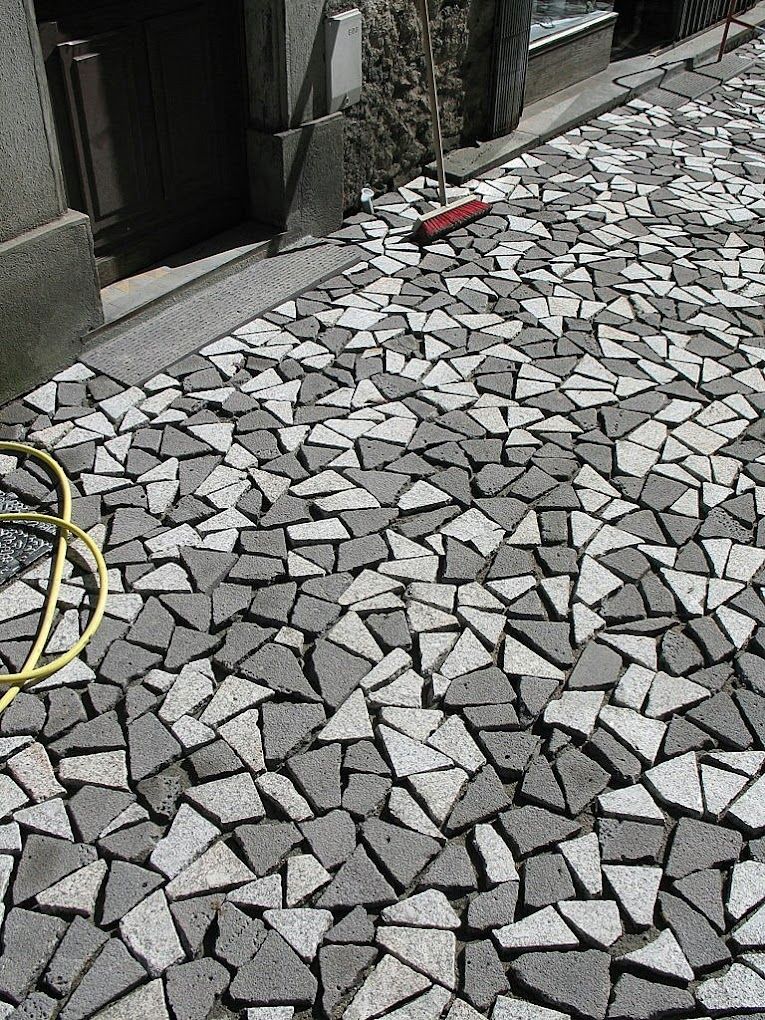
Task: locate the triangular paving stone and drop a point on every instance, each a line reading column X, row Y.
column 357, row 880
column 531, row 828
column 635, row 997
column 581, row 778
column 193, row 987
column 569, row 981
column 317, row 773
column 388, row 984
column 452, row 872
column 401, row 852
column 697, row 845
column 355, row 927
column 276, row 975
column 266, row 844
column 429, row 950
column 338, row 672
column 350, row 722
column 662, row 956
column 207, row 567
column 484, row 797
column 277, row 668
column 540, row 785
column 635, row 889
column 484, row 687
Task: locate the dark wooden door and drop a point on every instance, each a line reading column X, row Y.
column 148, row 98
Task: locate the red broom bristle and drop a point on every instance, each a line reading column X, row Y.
column 451, row 219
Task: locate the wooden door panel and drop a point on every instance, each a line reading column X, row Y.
column 182, row 79
column 108, row 113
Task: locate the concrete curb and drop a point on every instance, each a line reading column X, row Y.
column 580, row 103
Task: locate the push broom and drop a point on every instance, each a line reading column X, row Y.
column 449, row 216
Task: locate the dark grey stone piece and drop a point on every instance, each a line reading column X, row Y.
column 704, row 891
column 401, row 852
column 134, row 843
column 357, row 881
column 494, row 908
column 541, row 786
column 356, row 927
column 532, row 828
column 598, row 667
column 341, row 968
column 45, row 860
column 703, row 948
column 510, row 753
column 100, row 734
column 275, row 976
column 483, row 975
column 317, row 774
column 625, row 842
column 277, row 668
column 127, row 884
column 267, row 844
column 337, row 671
column 635, row 998
column 697, row 845
column 239, row 936
column 546, row 879
column 571, row 981
column 150, row 747
column 364, row 792
column 581, row 778
column 286, row 725
column 92, row 808
column 452, row 872
column 484, row 797
column 113, row 973
column 332, row 838
column 29, row 940
column 75, row 952
column 193, row 918
column 192, row 988
column 483, row 687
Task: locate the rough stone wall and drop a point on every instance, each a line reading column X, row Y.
column 387, row 135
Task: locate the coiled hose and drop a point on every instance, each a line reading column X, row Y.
column 31, row 672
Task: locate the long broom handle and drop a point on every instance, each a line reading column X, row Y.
column 427, row 45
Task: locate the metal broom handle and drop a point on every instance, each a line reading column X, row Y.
column 427, row 45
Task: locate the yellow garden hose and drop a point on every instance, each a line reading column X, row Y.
column 30, row 672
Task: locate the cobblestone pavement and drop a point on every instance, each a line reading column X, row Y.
column 432, row 683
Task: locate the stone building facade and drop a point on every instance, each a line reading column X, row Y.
column 130, row 131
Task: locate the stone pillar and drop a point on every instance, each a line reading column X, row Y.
column 49, row 293
column 295, row 152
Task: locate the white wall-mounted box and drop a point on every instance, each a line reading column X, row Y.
column 343, row 55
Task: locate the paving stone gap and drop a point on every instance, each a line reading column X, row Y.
column 432, row 680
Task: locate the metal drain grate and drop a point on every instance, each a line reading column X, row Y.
column 154, row 339
column 21, row 545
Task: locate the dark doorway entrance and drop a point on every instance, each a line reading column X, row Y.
column 149, row 105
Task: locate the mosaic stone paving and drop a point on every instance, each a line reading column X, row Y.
column 432, row 683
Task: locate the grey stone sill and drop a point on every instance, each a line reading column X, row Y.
column 580, row 103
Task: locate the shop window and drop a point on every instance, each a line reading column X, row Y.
column 552, row 16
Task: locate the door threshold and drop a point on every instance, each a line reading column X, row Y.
column 175, row 272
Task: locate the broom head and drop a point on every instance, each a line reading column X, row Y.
column 449, row 217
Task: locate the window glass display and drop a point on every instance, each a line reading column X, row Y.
column 551, row 16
